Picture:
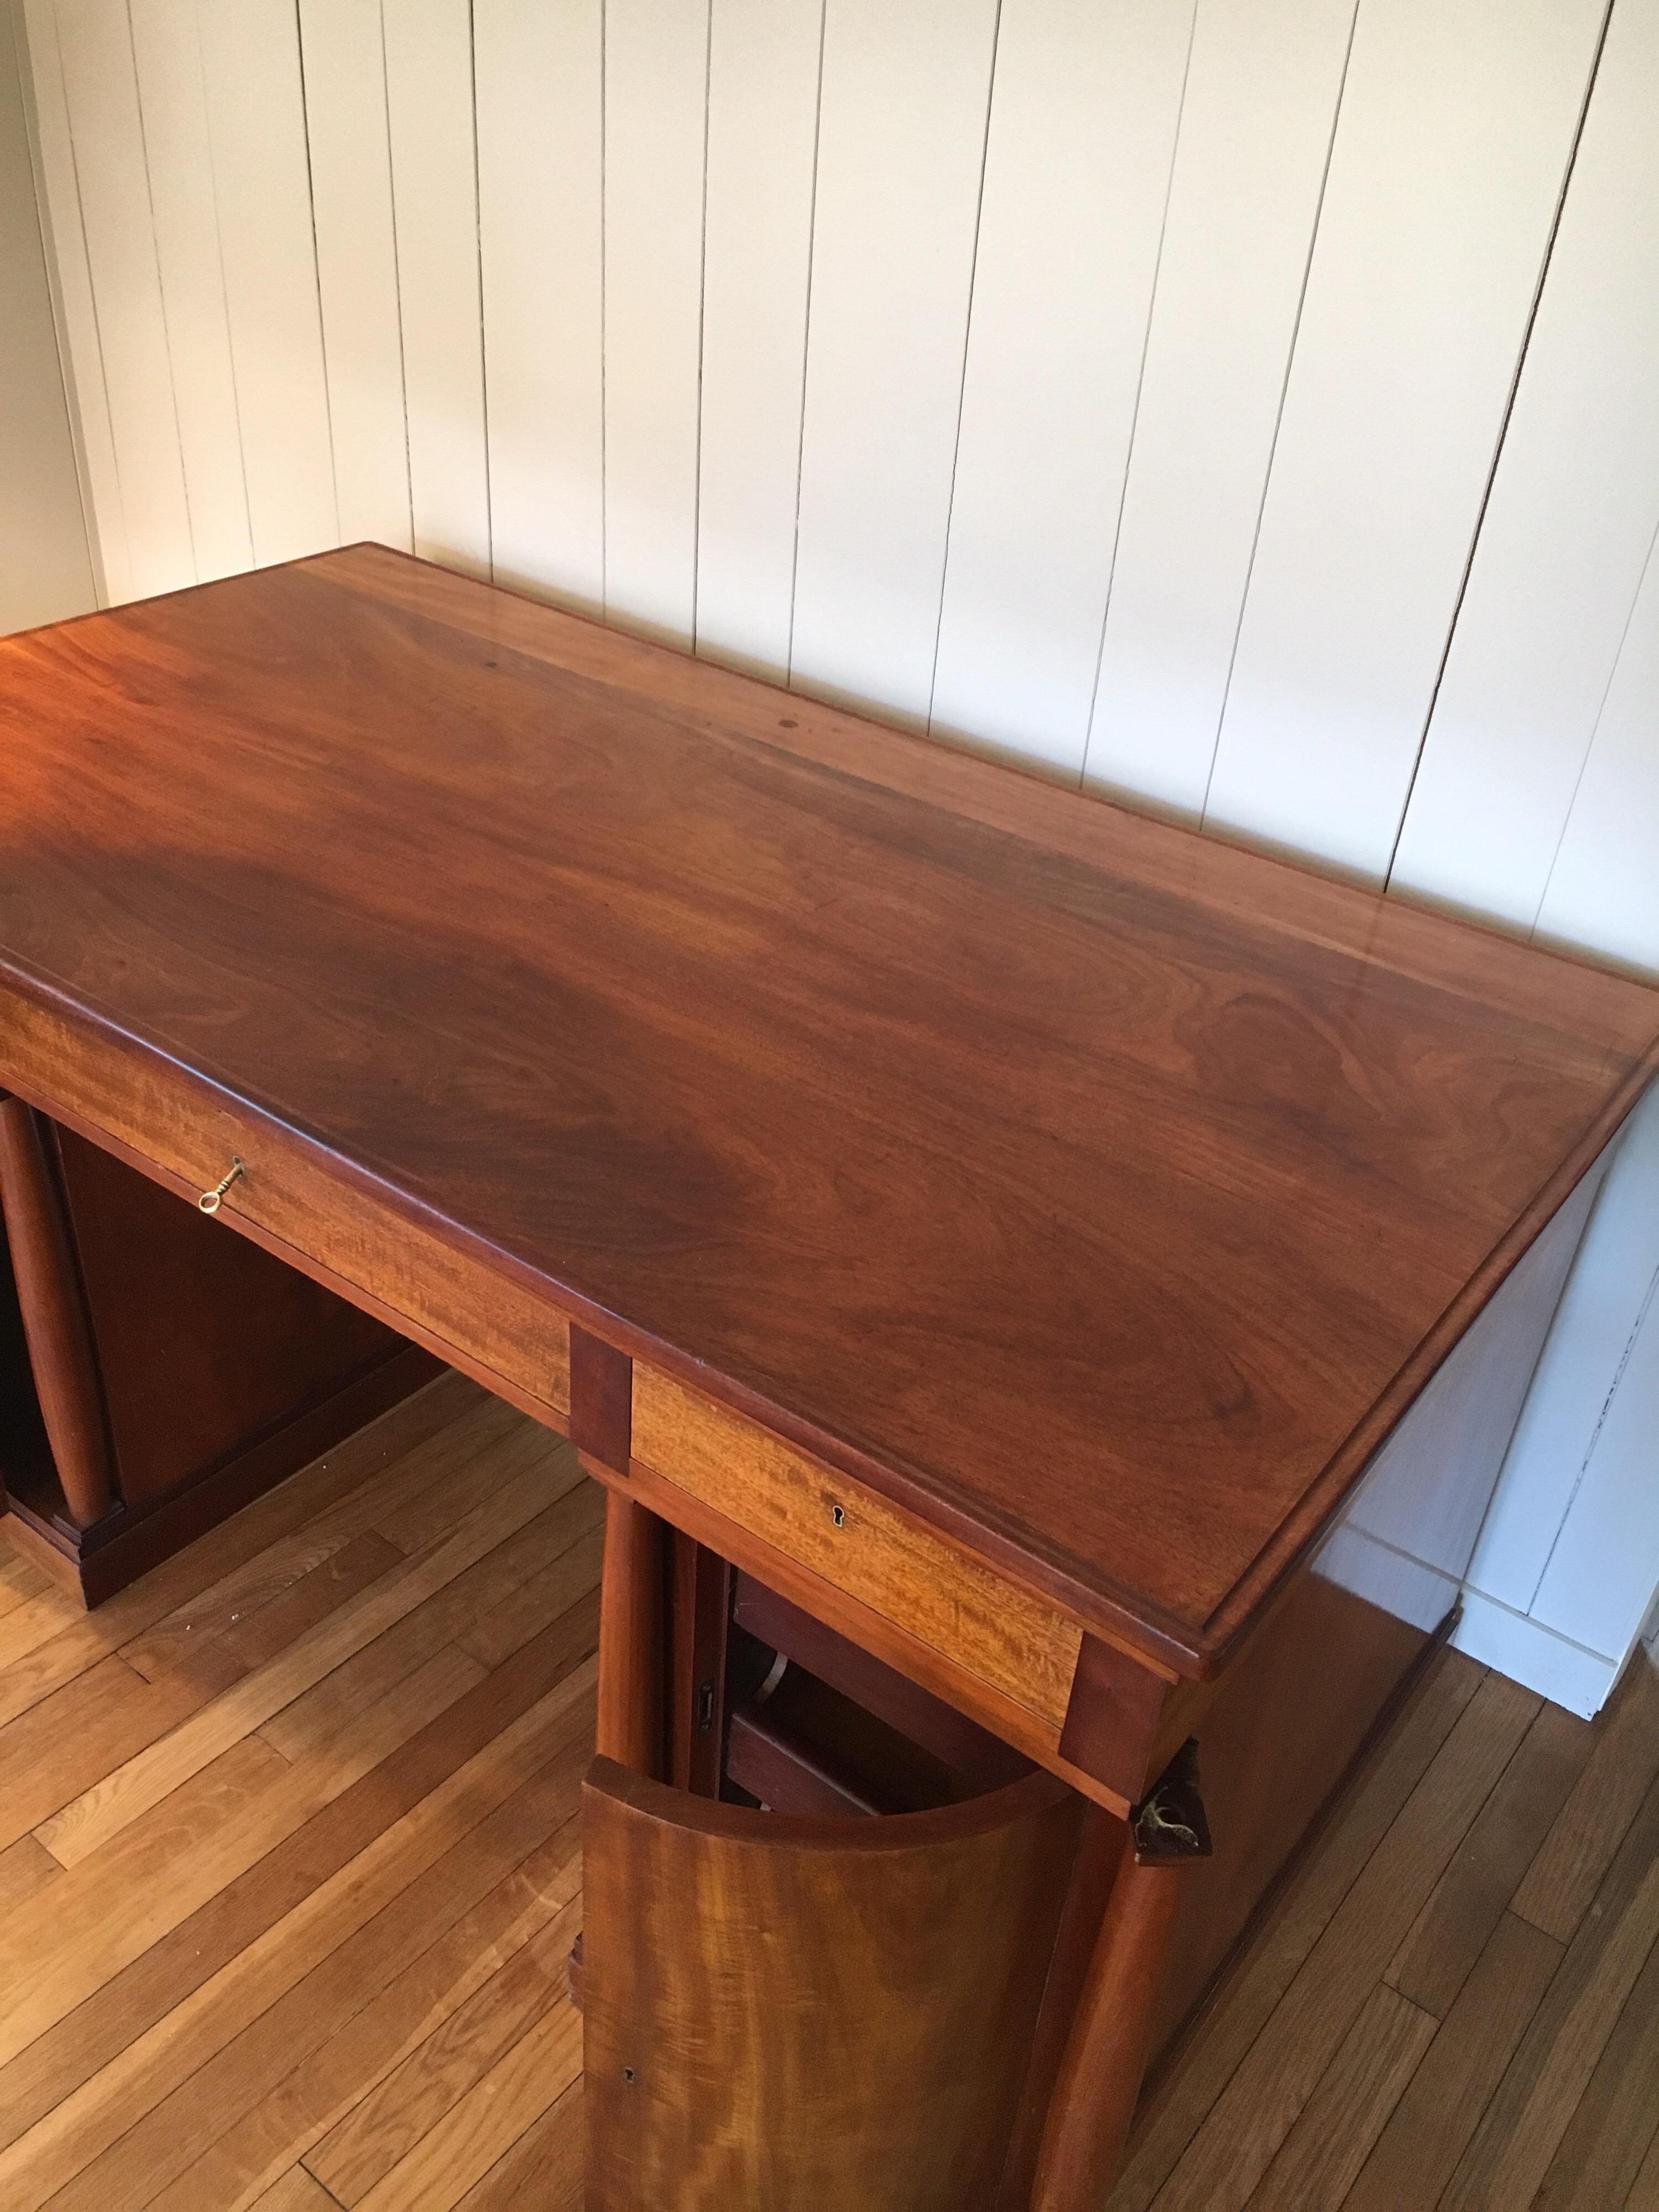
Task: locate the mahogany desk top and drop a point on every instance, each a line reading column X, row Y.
column 1094, row 1196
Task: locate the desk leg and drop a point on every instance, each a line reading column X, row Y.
column 66, row 1376
column 633, row 1601
column 1100, row 2073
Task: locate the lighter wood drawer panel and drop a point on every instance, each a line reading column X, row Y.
column 878, row 1555
column 181, row 1125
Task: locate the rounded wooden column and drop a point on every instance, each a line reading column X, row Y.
column 66, row 1378
column 633, row 1601
column 1100, row 2075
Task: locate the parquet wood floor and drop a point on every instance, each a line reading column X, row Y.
column 1453, row 2006
column 289, row 1829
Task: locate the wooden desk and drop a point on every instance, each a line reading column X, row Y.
column 1005, row 1227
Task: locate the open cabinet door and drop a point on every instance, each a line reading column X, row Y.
column 833, row 2013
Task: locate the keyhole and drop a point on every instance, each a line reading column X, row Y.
column 838, row 1515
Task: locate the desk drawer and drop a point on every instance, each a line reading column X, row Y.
column 873, row 1551
column 311, row 1209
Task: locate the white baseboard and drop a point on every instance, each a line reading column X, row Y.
column 1565, row 1673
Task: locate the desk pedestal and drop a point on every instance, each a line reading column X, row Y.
column 157, row 1371
column 832, row 2003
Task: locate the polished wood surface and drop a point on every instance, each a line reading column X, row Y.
column 831, row 2012
column 204, row 1343
column 319, row 1959
column 879, row 1632
column 1097, row 1194
column 1100, row 2073
column 858, row 1540
column 1102, row 1846
column 52, row 1303
column 634, row 1655
column 335, row 1960
column 172, row 1371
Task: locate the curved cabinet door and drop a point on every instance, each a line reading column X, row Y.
column 836, row 2014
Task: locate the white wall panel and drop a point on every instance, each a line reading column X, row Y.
column 1077, row 171
column 1456, row 125
column 1556, row 1668
column 1557, row 1433
column 69, row 282
column 1255, row 134
column 1604, row 890
column 540, row 125
column 1604, row 1568
column 762, row 145
column 251, row 55
column 429, row 57
column 1573, row 511
column 901, row 150
column 108, row 147
column 173, row 100
column 344, row 55
column 45, row 573
column 656, row 107
column 891, row 344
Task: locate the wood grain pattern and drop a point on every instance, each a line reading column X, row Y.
column 1317, row 2163
column 184, row 1130
column 1098, row 2081
column 218, row 1345
column 633, row 1638
column 1584, row 1837
column 876, row 1551
column 892, row 1641
column 52, row 1301
column 1453, row 1928
column 1414, row 2155
column 601, row 1400
column 925, row 1940
column 1112, row 1718
column 1228, row 2155
column 904, row 1102
column 150, row 2076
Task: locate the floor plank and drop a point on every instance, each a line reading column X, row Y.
column 1511, row 2150
column 1430, row 2127
column 362, row 2047
column 436, row 2173
column 296, row 2191
column 1587, row 1830
column 124, row 1794
column 1618, row 2115
column 543, row 2168
column 1314, row 2167
column 1644, row 2190
column 73, row 1740
column 1178, row 2104
column 314, row 1786
column 25, row 1866
column 260, row 1635
column 385, row 2124
column 1238, row 2139
column 1472, row 1896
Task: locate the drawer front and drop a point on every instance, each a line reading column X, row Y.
column 873, row 1551
column 174, row 1121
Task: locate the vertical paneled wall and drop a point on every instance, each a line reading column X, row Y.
column 45, row 568
column 1247, row 405
column 1242, row 404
